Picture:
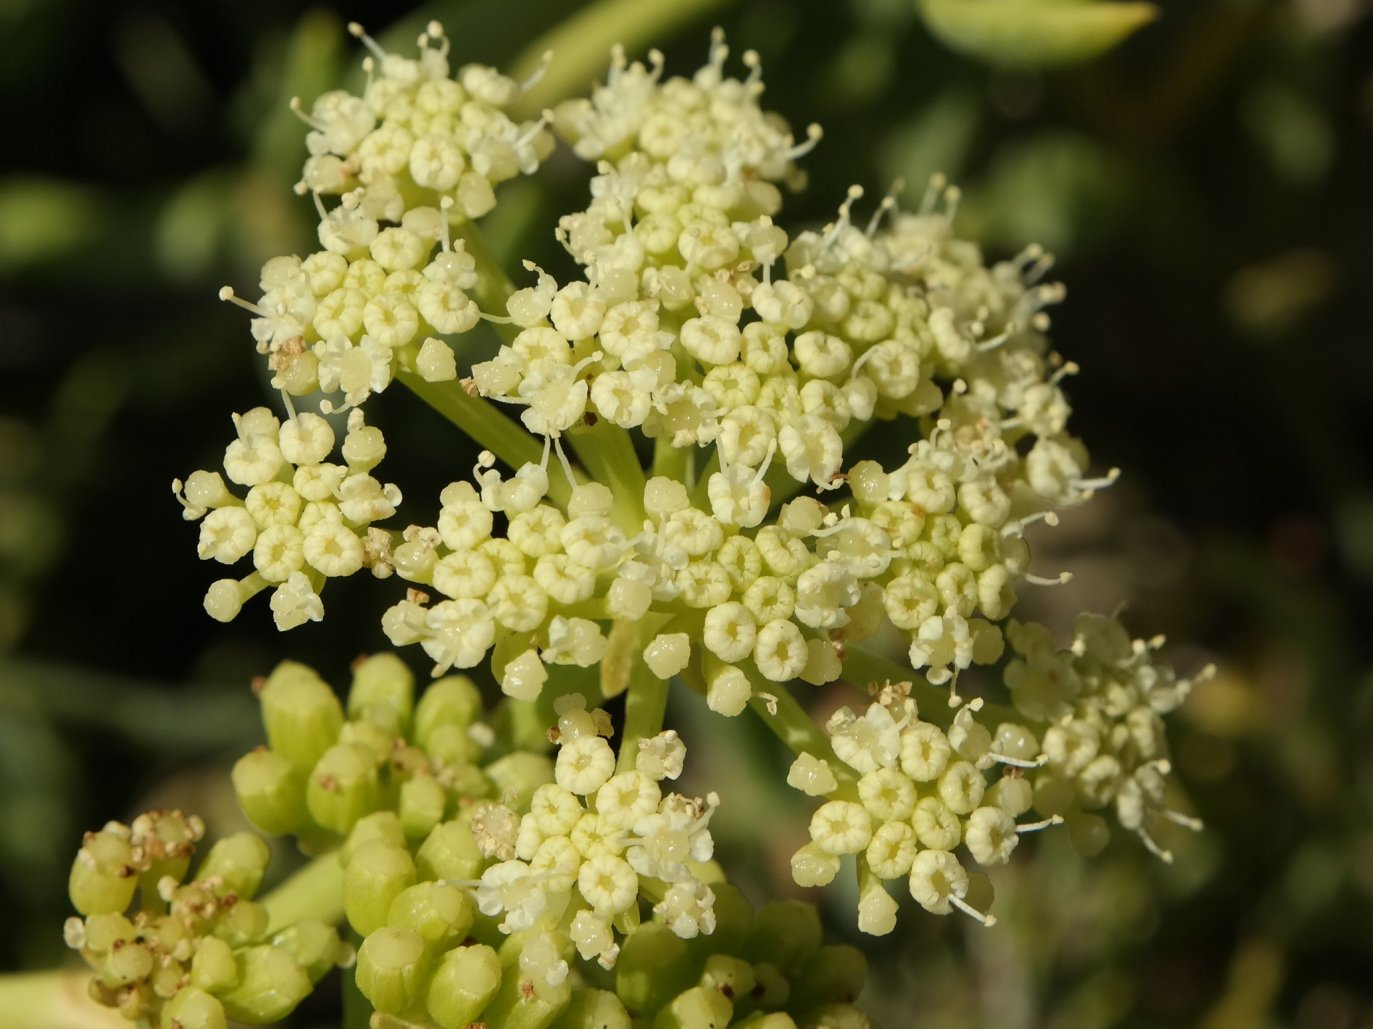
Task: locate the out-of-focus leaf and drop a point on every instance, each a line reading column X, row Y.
column 43, row 219
column 1042, row 33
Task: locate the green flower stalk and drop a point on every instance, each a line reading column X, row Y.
column 674, row 493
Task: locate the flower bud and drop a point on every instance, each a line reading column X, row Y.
column 651, row 969
column 452, row 700
column 837, row 1016
column 784, row 931
column 462, row 986
column 270, row 791
column 518, row 775
column 421, row 806
column 379, row 825
column 343, row 786
column 376, row 874
column 450, row 852
column 240, row 860
column 103, row 878
column 313, row 943
column 300, row 713
column 729, row 975
column 834, row 972
column 439, row 913
column 697, row 1008
column 383, row 692
column 271, row 983
column 767, row 1020
column 214, row 967
column 193, row 1008
column 243, row 923
column 594, row 1009
column 522, row 1004
column 392, row 968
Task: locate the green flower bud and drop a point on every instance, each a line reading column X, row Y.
column 463, row 984
column 214, row 967
column 103, row 878
column 767, row 1020
column 371, row 736
column 1087, row 832
column 593, row 1009
column 783, row 932
column 771, row 989
column 652, row 968
column 300, row 713
column 520, row 774
column 450, row 852
column 126, row 962
column 244, row 922
column 240, row 860
column 270, row 791
column 379, row 825
column 832, row 973
column 193, row 1008
column 450, row 745
column 313, row 943
column 836, row 1016
column 522, row 1004
column 383, row 693
column 376, row 875
column 440, row 913
column 696, row 1008
column 733, row 920
column 452, row 700
column 730, row 975
column 343, row 786
column 392, row 968
column 271, row 983
column 422, row 804
column 167, row 841
column 104, row 930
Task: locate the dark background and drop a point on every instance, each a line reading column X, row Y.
column 1207, row 190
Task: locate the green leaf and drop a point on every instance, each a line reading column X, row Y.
column 1041, row 33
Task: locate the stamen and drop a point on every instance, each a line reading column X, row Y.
column 1090, row 486
column 1069, row 368
column 1062, row 579
column 1049, row 518
column 814, row 133
column 298, row 109
column 227, row 293
column 1036, row 826
column 545, row 59
column 529, row 134
column 356, row 30
column 888, row 204
column 972, row 912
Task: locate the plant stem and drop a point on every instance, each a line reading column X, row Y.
column 54, row 1000
column 607, row 453
column 645, row 705
column 581, row 44
column 312, row 891
column 794, row 726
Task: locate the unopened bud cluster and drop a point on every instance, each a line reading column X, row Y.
column 188, row 952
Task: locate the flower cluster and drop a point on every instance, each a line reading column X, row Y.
column 303, row 519
column 675, row 488
column 911, row 792
column 1103, row 699
column 191, row 952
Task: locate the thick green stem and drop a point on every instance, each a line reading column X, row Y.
column 794, row 726
column 607, row 453
column 314, row 891
column 54, row 1000
column 484, row 423
column 581, row 44
column 645, row 706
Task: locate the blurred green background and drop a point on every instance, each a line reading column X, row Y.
column 1206, row 187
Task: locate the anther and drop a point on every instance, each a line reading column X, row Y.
column 1062, row 579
